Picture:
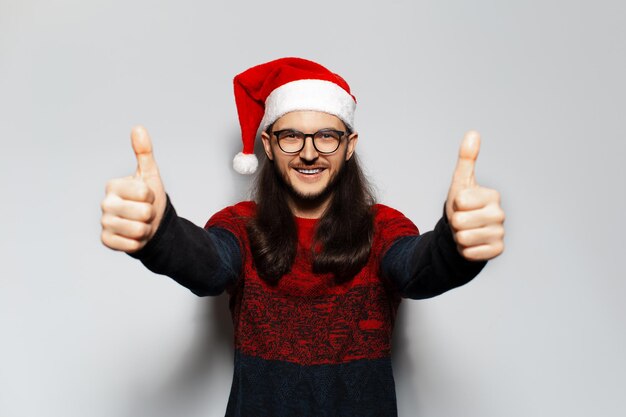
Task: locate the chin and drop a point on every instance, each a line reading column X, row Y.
column 310, row 190
column 309, row 195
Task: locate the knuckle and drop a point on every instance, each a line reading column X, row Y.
column 106, row 205
column 115, row 185
column 500, row 216
column 142, row 230
column 467, row 254
column 108, row 241
column 135, row 245
column 487, row 195
column 462, row 238
column 497, row 213
column 151, row 196
column 457, row 220
column 136, row 230
column 460, row 200
column 143, row 191
column 147, row 231
column 105, row 222
column 128, row 183
column 146, row 212
column 132, row 246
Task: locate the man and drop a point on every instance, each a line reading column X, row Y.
column 314, row 268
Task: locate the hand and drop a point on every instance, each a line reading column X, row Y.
column 474, row 212
column 134, row 206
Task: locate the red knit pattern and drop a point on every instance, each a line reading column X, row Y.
column 306, row 318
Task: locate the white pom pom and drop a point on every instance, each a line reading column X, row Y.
column 245, row 163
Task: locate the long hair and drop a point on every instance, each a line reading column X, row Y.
column 343, row 235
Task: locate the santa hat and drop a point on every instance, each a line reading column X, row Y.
column 267, row 91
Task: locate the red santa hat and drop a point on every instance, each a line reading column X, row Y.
column 267, row 91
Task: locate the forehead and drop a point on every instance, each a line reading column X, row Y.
column 308, row 120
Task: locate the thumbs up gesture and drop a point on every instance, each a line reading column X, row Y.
column 134, row 206
column 474, row 212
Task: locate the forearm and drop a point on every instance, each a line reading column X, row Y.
column 206, row 261
column 427, row 265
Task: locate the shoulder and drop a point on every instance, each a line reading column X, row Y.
column 385, row 217
column 384, row 213
column 233, row 216
column 391, row 224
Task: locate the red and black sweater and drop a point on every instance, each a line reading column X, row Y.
column 309, row 347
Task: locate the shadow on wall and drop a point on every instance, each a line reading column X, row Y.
column 403, row 360
column 199, row 386
column 195, row 387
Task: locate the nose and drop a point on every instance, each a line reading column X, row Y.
column 309, row 153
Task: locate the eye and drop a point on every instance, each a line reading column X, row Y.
column 328, row 134
column 288, row 134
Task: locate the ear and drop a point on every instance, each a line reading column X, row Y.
column 267, row 145
column 352, row 140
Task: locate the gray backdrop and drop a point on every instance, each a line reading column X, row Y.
column 86, row 331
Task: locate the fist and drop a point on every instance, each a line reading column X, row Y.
column 133, row 206
column 474, row 212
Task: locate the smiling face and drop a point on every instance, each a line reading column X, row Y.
column 309, row 174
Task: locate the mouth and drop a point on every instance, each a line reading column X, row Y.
column 309, row 171
column 310, row 175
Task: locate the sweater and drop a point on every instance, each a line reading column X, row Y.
column 308, row 346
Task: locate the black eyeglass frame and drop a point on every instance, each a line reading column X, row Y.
column 312, row 135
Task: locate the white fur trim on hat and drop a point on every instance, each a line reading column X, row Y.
column 309, row 94
column 245, row 163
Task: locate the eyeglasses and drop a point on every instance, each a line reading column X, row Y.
column 324, row 141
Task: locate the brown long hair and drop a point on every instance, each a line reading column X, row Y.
column 344, row 232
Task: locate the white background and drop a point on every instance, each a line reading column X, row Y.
column 86, row 331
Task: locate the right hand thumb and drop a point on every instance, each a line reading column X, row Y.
column 142, row 145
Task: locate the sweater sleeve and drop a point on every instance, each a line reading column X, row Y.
column 207, row 260
column 426, row 265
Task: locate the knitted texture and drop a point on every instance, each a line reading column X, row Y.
column 315, row 343
column 307, row 318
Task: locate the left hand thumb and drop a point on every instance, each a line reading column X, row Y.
column 464, row 171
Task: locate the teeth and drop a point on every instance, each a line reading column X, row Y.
column 309, row 171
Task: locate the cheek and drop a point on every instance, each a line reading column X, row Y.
column 282, row 164
column 338, row 164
